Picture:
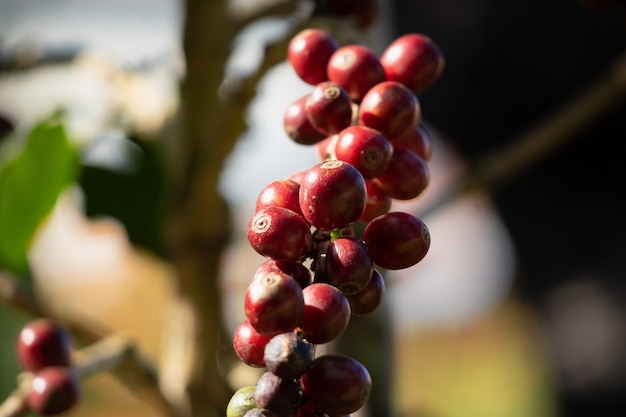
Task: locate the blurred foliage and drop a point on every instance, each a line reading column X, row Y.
column 29, row 187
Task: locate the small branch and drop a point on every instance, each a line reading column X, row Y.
column 108, row 353
column 503, row 165
column 102, row 352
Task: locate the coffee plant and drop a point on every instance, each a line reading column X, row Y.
column 327, row 233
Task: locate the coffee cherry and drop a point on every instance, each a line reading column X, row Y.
column 366, row 301
column 364, row 148
column 348, row 265
column 296, row 270
column 281, row 397
column 280, row 193
column 356, row 68
column 279, row 233
column 298, row 126
column 326, row 313
column 378, row 202
column 287, row 355
column 413, row 60
column 417, row 141
column 308, row 53
column 396, row 240
column 329, row 108
column 336, row 384
column 43, row 343
column 406, row 177
column 390, row 108
column 274, row 304
column 241, row 402
column 332, row 195
column 54, row 390
column 249, row 344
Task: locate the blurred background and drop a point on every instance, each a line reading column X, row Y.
column 520, row 307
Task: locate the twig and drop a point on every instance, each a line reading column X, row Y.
column 104, row 351
column 503, row 165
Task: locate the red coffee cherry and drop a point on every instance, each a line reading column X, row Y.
column 298, row 126
column 280, row 193
column 43, row 343
column 347, row 264
column 54, row 390
column 365, row 148
column 369, row 299
column 336, row 384
column 249, row 344
column 356, row 68
column 406, row 177
column 418, row 141
column 390, row 108
column 308, row 53
column 396, row 240
column 326, row 313
column 413, row 60
column 329, row 108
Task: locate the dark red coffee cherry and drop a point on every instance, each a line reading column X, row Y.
column 365, row 148
column 274, row 304
column 280, row 193
column 390, row 108
column 369, row 299
column 378, row 202
column 417, row 141
column 298, row 126
column 329, row 108
column 249, row 344
column 356, row 68
column 406, row 177
column 279, row 233
column 396, row 240
column 54, row 390
column 332, row 195
column 308, row 53
column 413, row 60
column 347, row 264
column 287, row 355
column 280, row 397
column 43, row 343
column 296, row 270
column 336, row 384
column 326, row 313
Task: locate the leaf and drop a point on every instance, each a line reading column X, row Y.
column 29, row 187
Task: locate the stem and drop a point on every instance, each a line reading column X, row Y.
column 114, row 352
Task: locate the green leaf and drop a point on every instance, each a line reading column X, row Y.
column 29, row 187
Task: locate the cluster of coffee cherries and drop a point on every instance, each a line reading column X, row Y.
column 327, row 231
column 44, row 350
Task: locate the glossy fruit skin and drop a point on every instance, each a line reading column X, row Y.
column 365, row 148
column 297, row 125
column 406, row 177
column 348, row 265
column 280, row 193
column 54, row 390
column 369, row 299
column 281, row 397
column 413, row 60
column 390, row 108
column 308, row 53
column 419, row 141
column 377, row 203
column 329, row 108
column 279, row 233
column 296, row 270
column 356, row 68
column 274, row 304
column 396, row 240
column 287, row 355
column 336, row 384
column 326, row 313
column 42, row 343
column 249, row 344
column 332, row 195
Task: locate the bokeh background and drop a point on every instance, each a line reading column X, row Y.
column 520, row 307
